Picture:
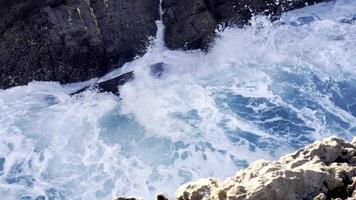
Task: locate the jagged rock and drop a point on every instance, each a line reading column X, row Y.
column 323, row 170
column 71, row 40
column 111, row 85
column 191, row 24
column 75, row 40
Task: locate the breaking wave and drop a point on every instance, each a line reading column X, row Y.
column 260, row 92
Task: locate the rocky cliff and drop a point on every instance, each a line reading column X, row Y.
column 75, row 40
column 322, row 171
column 71, row 40
column 190, row 24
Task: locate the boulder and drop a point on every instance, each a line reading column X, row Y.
column 191, row 24
column 323, row 170
column 71, row 40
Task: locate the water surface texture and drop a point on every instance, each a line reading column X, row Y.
column 259, row 93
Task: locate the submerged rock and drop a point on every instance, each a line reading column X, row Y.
column 191, row 24
column 323, row 170
column 71, row 40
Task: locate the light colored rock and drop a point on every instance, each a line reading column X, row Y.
column 321, row 196
column 323, row 170
column 353, row 142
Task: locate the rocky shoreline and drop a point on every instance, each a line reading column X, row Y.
column 76, row 40
column 324, row 170
column 191, row 24
column 71, row 40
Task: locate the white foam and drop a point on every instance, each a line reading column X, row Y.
column 208, row 115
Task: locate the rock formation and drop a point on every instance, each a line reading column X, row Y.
column 324, row 170
column 71, row 40
column 191, row 24
column 75, row 40
column 112, row 85
column 158, row 197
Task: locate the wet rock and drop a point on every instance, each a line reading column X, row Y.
column 71, row 40
column 159, row 197
column 126, row 198
column 111, row 85
column 191, row 24
column 162, row 197
column 323, row 170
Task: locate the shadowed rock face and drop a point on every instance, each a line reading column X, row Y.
column 190, row 24
column 71, row 40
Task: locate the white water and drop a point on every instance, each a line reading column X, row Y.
column 259, row 93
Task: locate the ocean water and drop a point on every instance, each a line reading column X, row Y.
column 259, row 93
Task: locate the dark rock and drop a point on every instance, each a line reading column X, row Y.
column 111, row 85
column 126, row 198
column 191, row 24
column 71, row 40
column 159, row 197
column 162, row 197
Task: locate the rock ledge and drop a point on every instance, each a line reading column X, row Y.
column 323, row 170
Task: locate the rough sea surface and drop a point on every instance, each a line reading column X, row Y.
column 260, row 93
